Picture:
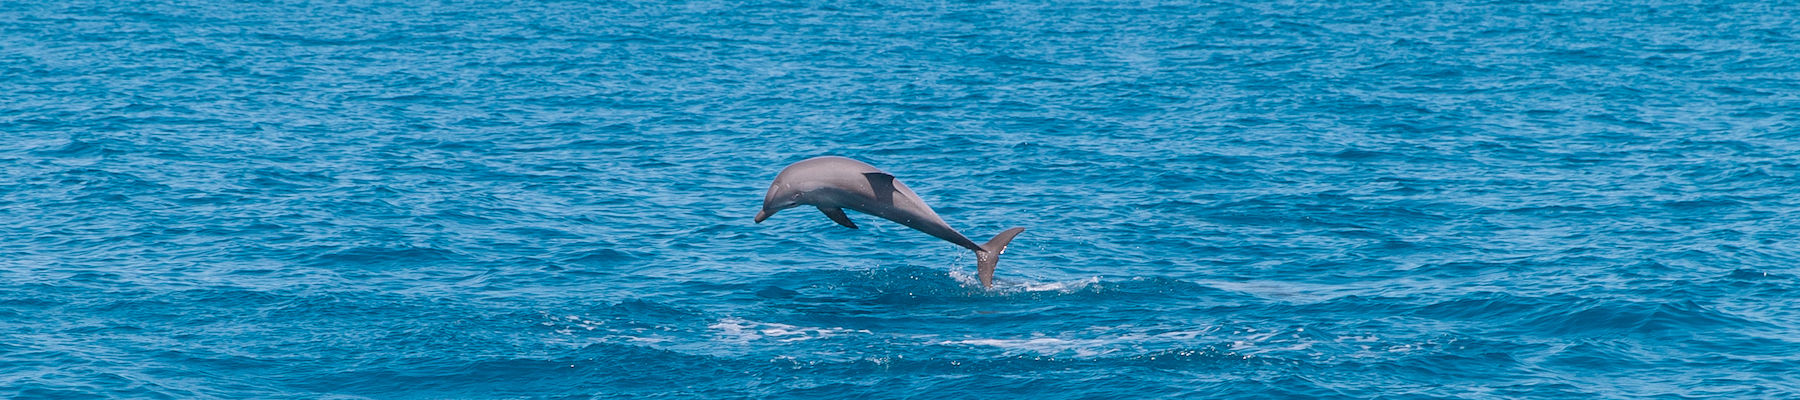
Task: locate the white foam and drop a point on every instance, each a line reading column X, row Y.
column 1045, row 346
column 1065, row 287
column 734, row 330
column 1015, row 286
column 1098, row 341
column 742, row 331
column 964, row 278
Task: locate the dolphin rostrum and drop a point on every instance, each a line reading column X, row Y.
column 835, row 183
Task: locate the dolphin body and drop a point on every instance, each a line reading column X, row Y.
column 835, row 183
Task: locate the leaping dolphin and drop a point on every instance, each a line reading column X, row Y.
column 835, row 183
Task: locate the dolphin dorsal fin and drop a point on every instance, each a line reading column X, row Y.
column 879, row 175
column 837, row 215
column 882, row 184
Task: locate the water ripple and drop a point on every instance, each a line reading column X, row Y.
column 553, row 200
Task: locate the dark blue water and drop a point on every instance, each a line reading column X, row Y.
column 420, row 199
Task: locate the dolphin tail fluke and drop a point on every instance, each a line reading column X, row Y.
column 989, row 256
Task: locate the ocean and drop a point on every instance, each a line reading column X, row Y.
column 1239, row 200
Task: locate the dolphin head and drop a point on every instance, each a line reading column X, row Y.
column 770, row 209
column 778, row 199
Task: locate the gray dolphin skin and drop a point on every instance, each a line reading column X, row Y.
column 836, row 183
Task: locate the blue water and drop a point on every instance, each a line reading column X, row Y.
column 553, row 199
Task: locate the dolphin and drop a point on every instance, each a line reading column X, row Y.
column 836, row 183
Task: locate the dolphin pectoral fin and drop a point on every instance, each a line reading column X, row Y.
column 837, row 215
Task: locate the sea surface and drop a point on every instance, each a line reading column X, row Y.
column 1235, row 200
